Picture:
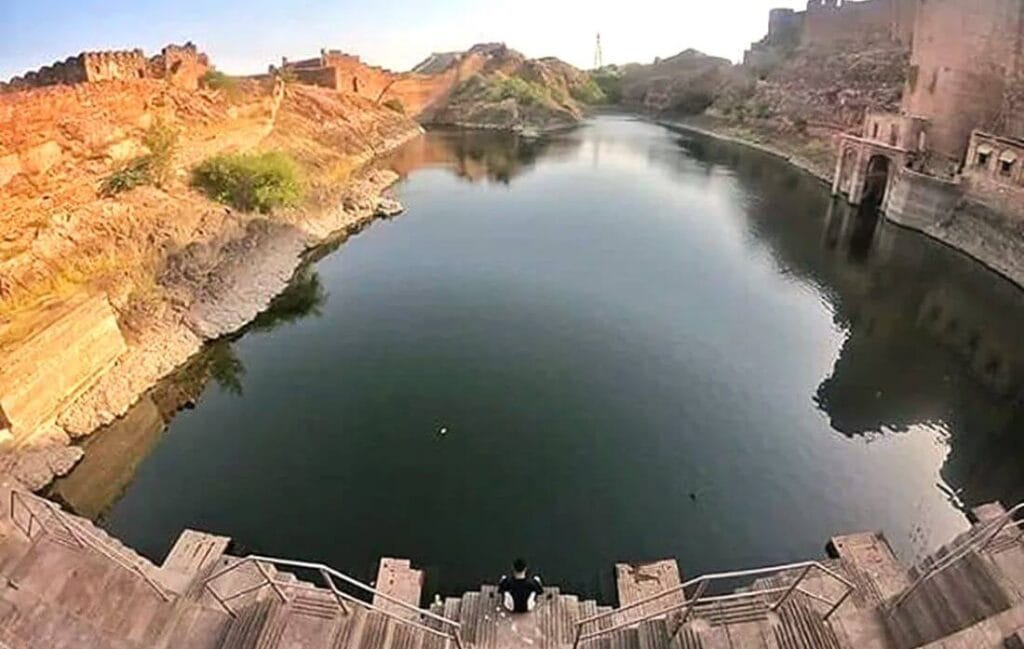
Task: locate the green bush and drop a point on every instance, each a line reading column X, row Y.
column 522, row 91
column 250, row 182
column 129, row 176
column 217, row 80
column 610, row 83
column 395, row 104
column 589, row 93
column 153, row 168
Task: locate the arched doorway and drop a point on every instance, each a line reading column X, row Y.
column 876, row 182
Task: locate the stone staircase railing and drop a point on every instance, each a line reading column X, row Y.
column 979, row 538
column 267, row 576
column 46, row 517
column 759, row 598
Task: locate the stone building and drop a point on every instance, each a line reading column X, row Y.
column 958, row 131
column 181, row 65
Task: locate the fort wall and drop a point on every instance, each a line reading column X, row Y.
column 834, row 21
column 962, row 59
column 417, row 92
column 181, row 65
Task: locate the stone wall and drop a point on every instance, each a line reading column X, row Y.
column 833, row 21
column 114, row 66
column 962, row 57
column 994, row 173
column 181, row 65
column 52, row 358
column 919, row 200
column 417, row 92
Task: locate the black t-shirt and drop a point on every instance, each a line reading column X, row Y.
column 520, row 589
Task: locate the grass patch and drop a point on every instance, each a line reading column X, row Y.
column 251, row 182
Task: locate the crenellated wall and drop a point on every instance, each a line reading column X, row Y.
column 834, row 21
column 180, row 65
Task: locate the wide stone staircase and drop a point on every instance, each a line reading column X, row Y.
column 64, row 583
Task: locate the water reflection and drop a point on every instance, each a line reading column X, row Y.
column 477, row 156
column 931, row 337
column 671, row 313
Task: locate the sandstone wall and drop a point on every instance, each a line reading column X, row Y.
column 180, row 65
column 115, row 66
column 994, row 173
column 962, row 57
column 829, row 21
column 52, row 358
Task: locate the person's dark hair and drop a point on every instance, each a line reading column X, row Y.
column 519, row 565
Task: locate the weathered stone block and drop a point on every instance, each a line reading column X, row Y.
column 63, row 351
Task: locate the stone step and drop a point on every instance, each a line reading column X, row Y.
column 801, row 627
column 247, row 626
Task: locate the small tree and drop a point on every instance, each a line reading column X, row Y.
column 162, row 142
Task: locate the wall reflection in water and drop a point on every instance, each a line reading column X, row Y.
column 113, row 454
column 932, row 337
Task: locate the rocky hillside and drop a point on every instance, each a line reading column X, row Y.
column 512, row 92
column 685, row 83
column 62, row 233
column 827, row 86
column 177, row 267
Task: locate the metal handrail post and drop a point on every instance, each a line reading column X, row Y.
column 838, row 604
column 690, row 604
column 334, row 589
column 579, row 634
column 273, row 584
column 792, row 587
column 220, row 601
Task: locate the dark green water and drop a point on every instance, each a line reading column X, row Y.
column 642, row 344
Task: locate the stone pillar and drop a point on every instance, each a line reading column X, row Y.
column 857, row 178
column 838, row 180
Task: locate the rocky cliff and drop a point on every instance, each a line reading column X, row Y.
column 176, row 267
column 512, row 92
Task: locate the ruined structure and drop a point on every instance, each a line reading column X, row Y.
column 416, row 91
column 180, row 65
column 957, row 133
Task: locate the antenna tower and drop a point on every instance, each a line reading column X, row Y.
column 598, row 54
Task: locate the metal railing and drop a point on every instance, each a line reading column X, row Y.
column 448, row 629
column 74, row 531
column 978, row 539
column 683, row 610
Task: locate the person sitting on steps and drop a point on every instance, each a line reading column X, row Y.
column 520, row 591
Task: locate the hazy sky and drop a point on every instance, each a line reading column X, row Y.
column 244, row 37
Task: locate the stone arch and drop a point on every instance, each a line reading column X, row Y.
column 877, row 178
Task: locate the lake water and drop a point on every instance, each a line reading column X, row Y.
column 617, row 344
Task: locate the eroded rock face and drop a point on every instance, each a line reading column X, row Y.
column 513, row 93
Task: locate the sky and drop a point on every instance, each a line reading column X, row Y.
column 245, row 37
